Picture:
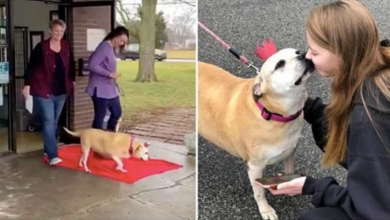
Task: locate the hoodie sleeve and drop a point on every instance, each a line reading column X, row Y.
column 96, row 60
column 367, row 194
column 314, row 115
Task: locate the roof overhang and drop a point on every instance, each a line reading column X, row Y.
column 77, row 3
column 53, row 1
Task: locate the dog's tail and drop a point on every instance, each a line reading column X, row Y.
column 76, row 134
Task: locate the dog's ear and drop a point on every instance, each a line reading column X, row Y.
column 138, row 147
column 257, row 86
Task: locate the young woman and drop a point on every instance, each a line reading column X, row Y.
column 354, row 129
column 102, row 85
column 50, row 78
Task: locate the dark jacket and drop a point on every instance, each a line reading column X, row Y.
column 41, row 69
column 367, row 194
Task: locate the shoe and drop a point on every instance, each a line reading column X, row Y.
column 55, row 161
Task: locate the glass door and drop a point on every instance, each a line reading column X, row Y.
column 4, row 82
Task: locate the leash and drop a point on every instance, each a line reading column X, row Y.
column 233, row 51
column 121, row 92
column 131, row 144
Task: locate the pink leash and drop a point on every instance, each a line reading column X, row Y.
column 235, row 53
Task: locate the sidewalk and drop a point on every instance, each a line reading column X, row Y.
column 29, row 189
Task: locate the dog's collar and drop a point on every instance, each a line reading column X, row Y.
column 267, row 115
column 131, row 145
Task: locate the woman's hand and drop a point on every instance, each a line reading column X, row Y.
column 291, row 188
column 26, row 91
column 114, row 75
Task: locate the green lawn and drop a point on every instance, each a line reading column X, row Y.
column 176, row 88
column 181, row 54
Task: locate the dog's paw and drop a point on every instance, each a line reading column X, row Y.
column 268, row 213
column 121, row 169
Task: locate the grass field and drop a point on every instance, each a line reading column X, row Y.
column 176, row 88
column 181, row 54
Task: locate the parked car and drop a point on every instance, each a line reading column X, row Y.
column 132, row 53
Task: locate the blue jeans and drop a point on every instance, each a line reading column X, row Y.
column 100, row 106
column 50, row 110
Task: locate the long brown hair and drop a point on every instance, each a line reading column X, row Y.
column 347, row 29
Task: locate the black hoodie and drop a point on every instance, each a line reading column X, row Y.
column 367, row 195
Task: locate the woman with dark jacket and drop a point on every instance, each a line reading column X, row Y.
column 102, row 86
column 50, row 78
column 353, row 130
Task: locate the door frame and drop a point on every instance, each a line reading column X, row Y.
column 10, row 32
column 65, row 13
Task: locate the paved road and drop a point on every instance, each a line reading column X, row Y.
column 171, row 60
column 224, row 188
column 180, row 60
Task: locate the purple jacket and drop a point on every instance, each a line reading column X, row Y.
column 101, row 62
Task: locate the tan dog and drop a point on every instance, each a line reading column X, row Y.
column 231, row 114
column 109, row 145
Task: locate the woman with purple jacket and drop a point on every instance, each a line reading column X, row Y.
column 102, row 85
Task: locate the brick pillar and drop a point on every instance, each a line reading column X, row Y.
column 81, row 109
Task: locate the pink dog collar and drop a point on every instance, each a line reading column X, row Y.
column 267, row 115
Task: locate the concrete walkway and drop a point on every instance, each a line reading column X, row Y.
column 29, row 189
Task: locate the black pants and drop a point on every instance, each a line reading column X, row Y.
column 100, row 106
column 324, row 213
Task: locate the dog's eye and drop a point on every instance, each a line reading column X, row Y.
column 280, row 64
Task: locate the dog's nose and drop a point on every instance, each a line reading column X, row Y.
column 302, row 56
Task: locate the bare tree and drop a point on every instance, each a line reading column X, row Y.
column 141, row 26
column 186, row 2
column 147, row 42
column 129, row 20
column 144, row 30
column 182, row 24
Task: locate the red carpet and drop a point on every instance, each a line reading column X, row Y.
column 136, row 168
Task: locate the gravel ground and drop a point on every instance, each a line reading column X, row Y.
column 224, row 190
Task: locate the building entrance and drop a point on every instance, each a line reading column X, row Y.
column 19, row 124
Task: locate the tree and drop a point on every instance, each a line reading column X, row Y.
column 147, row 36
column 161, row 33
column 141, row 25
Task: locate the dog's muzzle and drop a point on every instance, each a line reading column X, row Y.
column 308, row 63
column 309, row 67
